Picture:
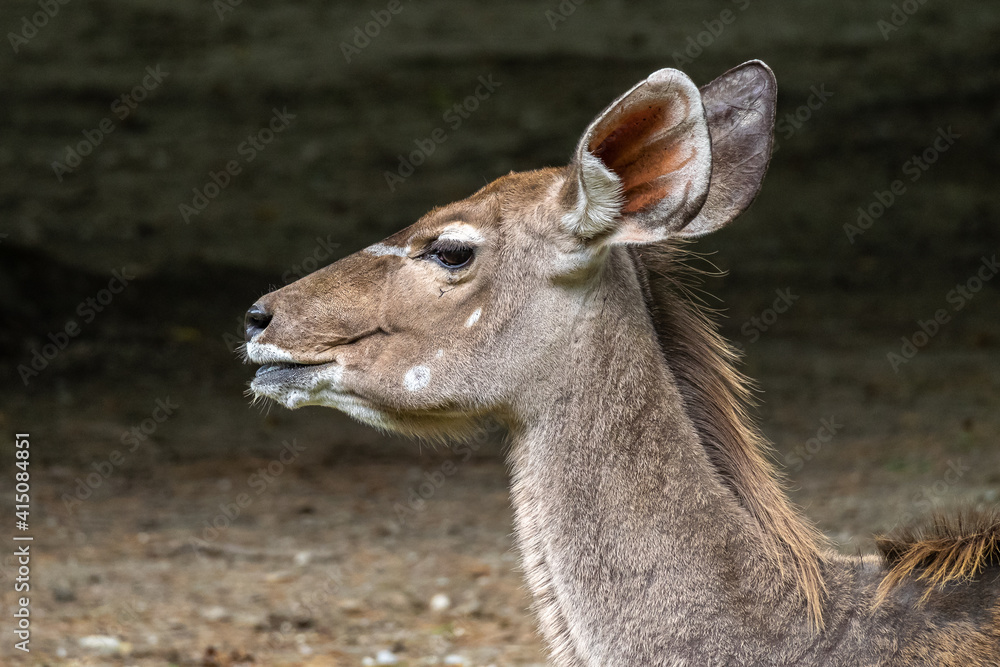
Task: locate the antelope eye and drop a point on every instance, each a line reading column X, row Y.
column 451, row 254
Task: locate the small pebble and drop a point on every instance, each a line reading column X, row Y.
column 440, row 602
column 215, row 613
column 63, row 593
column 101, row 643
column 350, row 605
column 454, row 659
column 385, row 657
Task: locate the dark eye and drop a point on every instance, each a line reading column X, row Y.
column 451, row 254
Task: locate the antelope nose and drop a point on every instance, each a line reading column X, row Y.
column 256, row 321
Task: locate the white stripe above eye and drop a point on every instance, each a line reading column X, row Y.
column 381, row 249
column 463, row 233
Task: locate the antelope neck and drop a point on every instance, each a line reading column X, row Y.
column 624, row 524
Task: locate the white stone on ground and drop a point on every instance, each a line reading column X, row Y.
column 101, row 643
column 385, row 657
column 440, row 602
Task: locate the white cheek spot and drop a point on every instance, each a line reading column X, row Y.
column 463, row 233
column 474, row 317
column 440, row 353
column 381, row 249
column 417, row 378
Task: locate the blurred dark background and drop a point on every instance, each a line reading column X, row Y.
column 116, row 115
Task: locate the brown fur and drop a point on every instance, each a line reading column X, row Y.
column 945, row 550
column 716, row 398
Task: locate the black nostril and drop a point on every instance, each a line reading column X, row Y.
column 256, row 321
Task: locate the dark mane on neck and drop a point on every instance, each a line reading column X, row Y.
column 716, row 399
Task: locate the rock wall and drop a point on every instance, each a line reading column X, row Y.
column 117, row 115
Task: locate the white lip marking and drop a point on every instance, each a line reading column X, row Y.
column 417, row 378
column 474, row 317
column 462, row 233
column 381, row 249
column 266, row 353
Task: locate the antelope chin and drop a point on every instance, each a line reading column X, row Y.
column 284, row 380
column 295, row 385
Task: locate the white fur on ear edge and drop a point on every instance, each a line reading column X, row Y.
column 599, row 198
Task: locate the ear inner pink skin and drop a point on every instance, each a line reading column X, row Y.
column 643, row 150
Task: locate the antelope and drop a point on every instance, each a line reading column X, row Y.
column 653, row 529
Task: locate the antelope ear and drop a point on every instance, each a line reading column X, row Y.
column 740, row 109
column 641, row 171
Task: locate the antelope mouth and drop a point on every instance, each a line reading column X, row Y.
column 293, row 384
column 290, row 373
column 282, row 366
column 279, row 368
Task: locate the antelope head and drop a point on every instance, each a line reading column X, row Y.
column 449, row 319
